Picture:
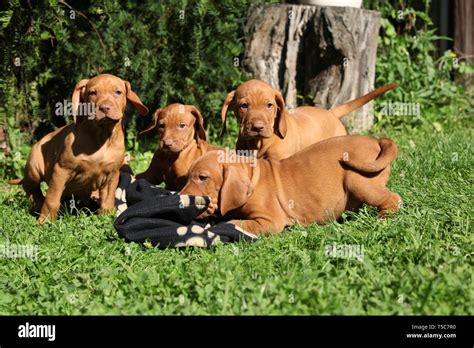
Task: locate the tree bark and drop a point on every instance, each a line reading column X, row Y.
column 315, row 55
column 464, row 34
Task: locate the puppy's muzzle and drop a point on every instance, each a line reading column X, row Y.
column 107, row 111
column 257, row 129
column 170, row 145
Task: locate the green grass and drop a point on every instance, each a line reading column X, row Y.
column 418, row 262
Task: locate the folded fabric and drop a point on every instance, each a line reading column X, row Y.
column 165, row 218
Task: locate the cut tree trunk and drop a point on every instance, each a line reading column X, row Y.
column 316, row 55
column 464, row 34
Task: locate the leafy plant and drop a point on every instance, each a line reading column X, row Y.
column 170, row 51
column 408, row 55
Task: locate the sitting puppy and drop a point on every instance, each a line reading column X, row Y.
column 275, row 133
column 85, row 156
column 179, row 145
column 315, row 185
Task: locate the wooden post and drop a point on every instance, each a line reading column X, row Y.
column 325, row 54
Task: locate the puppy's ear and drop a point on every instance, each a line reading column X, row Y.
column 135, row 100
column 155, row 121
column 235, row 190
column 228, row 100
column 199, row 120
column 280, row 120
column 78, row 97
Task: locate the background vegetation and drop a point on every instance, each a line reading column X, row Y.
column 171, row 51
column 407, row 53
column 418, row 262
column 184, row 51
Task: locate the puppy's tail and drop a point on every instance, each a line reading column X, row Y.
column 346, row 108
column 15, row 181
column 388, row 152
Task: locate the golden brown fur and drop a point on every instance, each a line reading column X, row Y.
column 85, row 156
column 275, row 133
column 315, row 185
column 179, row 145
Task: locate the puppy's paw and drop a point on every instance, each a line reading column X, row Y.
column 391, row 206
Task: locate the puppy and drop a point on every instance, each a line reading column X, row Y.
column 85, row 156
column 317, row 184
column 179, row 145
column 275, row 133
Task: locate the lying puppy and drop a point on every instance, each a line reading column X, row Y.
column 179, row 145
column 315, row 185
column 275, row 133
column 85, row 156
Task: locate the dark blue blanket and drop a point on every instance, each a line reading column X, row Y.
column 165, row 218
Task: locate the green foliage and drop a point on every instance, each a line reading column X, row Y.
column 12, row 165
column 171, row 51
column 407, row 54
column 189, row 51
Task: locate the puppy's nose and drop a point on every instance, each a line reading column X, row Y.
column 258, row 126
column 168, row 142
column 105, row 108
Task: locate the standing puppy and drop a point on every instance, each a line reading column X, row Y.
column 267, row 127
column 180, row 145
column 85, row 156
column 316, row 184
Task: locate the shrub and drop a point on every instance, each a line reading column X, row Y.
column 171, row 51
column 407, row 54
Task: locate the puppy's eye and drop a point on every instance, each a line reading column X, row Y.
column 161, row 125
column 244, row 106
column 269, row 105
column 92, row 93
column 182, row 125
column 118, row 92
column 203, row 177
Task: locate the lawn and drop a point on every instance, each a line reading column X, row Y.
column 418, row 262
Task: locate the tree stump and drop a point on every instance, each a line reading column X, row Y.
column 316, row 55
